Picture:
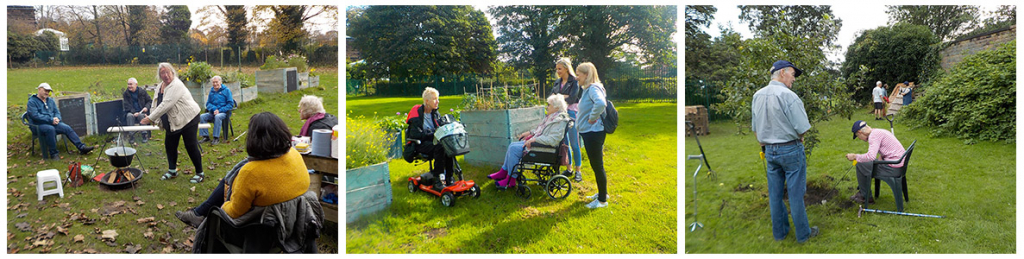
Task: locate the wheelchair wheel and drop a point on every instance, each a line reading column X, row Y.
column 523, row 191
column 412, row 186
column 558, row 187
column 448, row 199
column 475, row 191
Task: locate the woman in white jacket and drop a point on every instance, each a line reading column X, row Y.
column 176, row 112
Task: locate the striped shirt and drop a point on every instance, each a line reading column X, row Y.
column 882, row 141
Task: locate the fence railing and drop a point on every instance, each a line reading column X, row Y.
column 325, row 55
column 706, row 93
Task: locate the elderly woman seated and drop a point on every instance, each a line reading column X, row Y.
column 548, row 133
column 311, row 109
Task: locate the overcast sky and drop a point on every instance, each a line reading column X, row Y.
column 856, row 17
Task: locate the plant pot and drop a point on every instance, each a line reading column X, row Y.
column 367, row 190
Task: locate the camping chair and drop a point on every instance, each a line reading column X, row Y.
column 227, row 127
column 897, row 184
column 36, row 135
column 222, row 234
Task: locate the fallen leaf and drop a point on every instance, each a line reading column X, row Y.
column 42, row 242
column 193, row 189
column 132, row 249
column 148, row 235
column 191, row 200
column 151, row 191
column 211, row 167
column 22, row 215
column 140, row 203
column 167, row 250
column 79, row 238
column 136, row 198
column 144, row 220
column 23, row 226
column 172, row 204
column 62, row 230
column 159, row 207
column 109, row 234
column 90, row 251
column 10, row 236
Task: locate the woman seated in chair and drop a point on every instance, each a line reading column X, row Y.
column 311, row 109
column 548, row 133
column 423, row 120
column 273, row 173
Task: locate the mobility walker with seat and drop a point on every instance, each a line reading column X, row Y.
column 544, row 162
column 452, row 136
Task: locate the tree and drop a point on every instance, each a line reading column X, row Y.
column 287, row 26
column 815, row 21
column 698, row 42
column 20, row 48
column 176, row 23
column 889, row 54
column 946, row 21
column 237, row 32
column 597, row 33
column 820, row 87
column 138, row 19
column 528, row 37
column 413, row 41
column 81, row 14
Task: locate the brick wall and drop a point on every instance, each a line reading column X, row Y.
column 960, row 49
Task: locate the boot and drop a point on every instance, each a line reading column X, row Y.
column 502, row 174
column 507, row 182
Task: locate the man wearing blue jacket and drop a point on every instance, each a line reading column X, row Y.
column 218, row 104
column 43, row 112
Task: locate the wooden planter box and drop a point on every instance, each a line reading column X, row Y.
column 282, row 80
column 77, row 111
column 314, row 81
column 367, row 190
column 248, row 94
column 197, row 91
column 490, row 132
column 395, row 149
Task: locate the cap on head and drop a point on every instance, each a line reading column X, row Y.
column 906, row 82
column 857, row 126
column 45, row 86
column 784, row 64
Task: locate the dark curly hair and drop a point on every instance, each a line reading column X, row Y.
column 269, row 137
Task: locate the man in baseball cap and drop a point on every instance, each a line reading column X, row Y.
column 779, row 122
column 879, row 141
column 43, row 112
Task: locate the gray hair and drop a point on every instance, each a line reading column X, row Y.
column 311, row 104
column 558, row 101
column 778, row 73
column 217, row 78
column 878, row 83
column 174, row 73
column 132, row 80
column 430, row 91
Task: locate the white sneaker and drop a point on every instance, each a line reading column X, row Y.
column 594, row 197
column 596, row 204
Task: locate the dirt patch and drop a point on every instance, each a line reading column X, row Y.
column 819, row 192
column 744, row 187
column 436, row 232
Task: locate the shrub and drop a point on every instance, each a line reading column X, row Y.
column 275, row 62
column 198, row 72
column 245, row 80
column 973, row 101
column 366, row 144
column 501, row 98
column 394, row 123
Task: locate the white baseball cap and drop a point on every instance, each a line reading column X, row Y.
column 45, row 86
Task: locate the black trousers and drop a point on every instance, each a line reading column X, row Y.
column 188, row 133
column 593, row 142
column 442, row 162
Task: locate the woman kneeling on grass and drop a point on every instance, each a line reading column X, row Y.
column 274, row 172
column 548, row 133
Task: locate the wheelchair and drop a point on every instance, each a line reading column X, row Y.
column 544, row 164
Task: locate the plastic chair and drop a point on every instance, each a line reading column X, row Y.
column 48, row 176
column 898, row 184
column 35, row 135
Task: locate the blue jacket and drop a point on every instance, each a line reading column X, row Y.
column 220, row 100
column 592, row 104
column 43, row 113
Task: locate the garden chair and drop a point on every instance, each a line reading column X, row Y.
column 35, row 135
column 227, row 127
column 258, row 231
column 897, row 184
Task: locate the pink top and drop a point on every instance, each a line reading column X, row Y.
column 882, row 141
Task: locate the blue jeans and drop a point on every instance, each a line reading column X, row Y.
column 787, row 167
column 217, row 121
column 49, row 136
column 512, row 157
column 574, row 142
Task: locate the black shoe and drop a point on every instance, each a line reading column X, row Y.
column 145, row 139
column 85, row 150
column 215, row 141
column 190, row 218
column 205, row 139
column 814, row 232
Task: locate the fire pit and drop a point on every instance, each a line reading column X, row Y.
column 124, row 176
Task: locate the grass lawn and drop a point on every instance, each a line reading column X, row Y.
column 972, row 185
column 641, row 216
column 51, row 226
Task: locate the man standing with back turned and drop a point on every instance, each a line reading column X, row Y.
column 779, row 121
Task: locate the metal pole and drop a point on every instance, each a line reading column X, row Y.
column 862, row 209
column 696, row 224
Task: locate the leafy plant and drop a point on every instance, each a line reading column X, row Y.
column 275, row 62
column 365, row 143
column 970, row 101
column 393, row 123
column 501, row 98
column 244, row 80
column 198, row 72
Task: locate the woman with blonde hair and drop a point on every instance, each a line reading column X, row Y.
column 177, row 113
column 568, row 87
column 591, row 128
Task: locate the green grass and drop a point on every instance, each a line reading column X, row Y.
column 52, row 212
column 641, row 216
column 972, row 185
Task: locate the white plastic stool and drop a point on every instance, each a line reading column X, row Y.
column 46, row 176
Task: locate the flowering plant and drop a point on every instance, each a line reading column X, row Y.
column 393, row 123
column 365, row 144
column 198, row 72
